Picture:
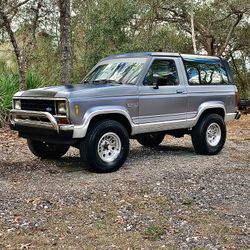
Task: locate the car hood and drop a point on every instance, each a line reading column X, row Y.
column 77, row 90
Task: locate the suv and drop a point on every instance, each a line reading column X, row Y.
column 141, row 96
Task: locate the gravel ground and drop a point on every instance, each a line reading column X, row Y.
column 163, row 198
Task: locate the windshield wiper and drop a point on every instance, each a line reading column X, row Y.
column 103, row 81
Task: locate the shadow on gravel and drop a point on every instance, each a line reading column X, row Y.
column 53, row 167
column 73, row 163
column 168, row 150
column 179, row 149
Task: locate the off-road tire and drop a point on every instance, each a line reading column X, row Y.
column 47, row 150
column 199, row 135
column 150, row 140
column 91, row 151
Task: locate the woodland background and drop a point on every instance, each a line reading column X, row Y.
column 50, row 42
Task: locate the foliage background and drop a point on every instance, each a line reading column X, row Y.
column 104, row 27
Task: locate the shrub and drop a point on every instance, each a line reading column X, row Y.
column 9, row 85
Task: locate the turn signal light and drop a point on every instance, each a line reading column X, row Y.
column 77, row 109
column 63, row 121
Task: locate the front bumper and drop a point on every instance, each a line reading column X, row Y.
column 40, row 126
column 33, row 119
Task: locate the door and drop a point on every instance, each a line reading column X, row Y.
column 163, row 96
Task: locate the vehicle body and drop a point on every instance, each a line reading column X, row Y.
column 141, row 96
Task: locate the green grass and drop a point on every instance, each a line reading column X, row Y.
column 9, row 85
column 154, row 232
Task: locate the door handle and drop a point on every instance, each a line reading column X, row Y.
column 180, row 91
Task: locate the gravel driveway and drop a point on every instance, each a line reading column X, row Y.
column 163, row 198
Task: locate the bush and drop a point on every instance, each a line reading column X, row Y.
column 9, row 85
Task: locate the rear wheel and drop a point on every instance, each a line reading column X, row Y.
column 150, row 140
column 209, row 135
column 47, row 150
column 106, row 146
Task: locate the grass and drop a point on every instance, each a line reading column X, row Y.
column 188, row 202
column 154, row 232
column 9, row 85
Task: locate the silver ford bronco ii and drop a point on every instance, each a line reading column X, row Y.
column 140, row 96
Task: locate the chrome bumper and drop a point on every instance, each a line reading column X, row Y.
column 229, row 117
column 24, row 118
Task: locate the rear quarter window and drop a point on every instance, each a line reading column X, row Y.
column 206, row 73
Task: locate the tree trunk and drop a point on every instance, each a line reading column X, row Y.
column 17, row 51
column 210, row 45
column 230, row 33
column 65, row 41
column 193, row 34
column 29, row 48
column 192, row 29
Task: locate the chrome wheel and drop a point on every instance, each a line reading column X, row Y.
column 213, row 134
column 109, row 147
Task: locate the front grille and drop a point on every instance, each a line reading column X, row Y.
column 38, row 105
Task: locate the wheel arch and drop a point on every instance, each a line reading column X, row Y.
column 112, row 116
column 218, row 111
column 95, row 114
column 211, row 108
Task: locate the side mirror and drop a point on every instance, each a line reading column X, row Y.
column 156, row 86
column 160, row 82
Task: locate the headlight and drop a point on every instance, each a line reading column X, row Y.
column 17, row 104
column 61, row 108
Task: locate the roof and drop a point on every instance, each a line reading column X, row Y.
column 164, row 54
column 141, row 54
column 193, row 57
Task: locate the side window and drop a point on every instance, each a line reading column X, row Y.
column 206, row 73
column 162, row 72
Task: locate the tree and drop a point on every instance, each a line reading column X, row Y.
column 79, row 33
column 35, row 9
column 215, row 21
column 112, row 27
column 65, row 40
column 7, row 12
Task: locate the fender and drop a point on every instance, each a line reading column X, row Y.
column 80, row 131
column 203, row 107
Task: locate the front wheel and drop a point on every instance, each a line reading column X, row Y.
column 105, row 147
column 209, row 135
column 47, row 150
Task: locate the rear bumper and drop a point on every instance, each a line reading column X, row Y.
column 238, row 115
column 232, row 116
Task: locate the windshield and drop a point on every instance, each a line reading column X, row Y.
column 116, row 72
